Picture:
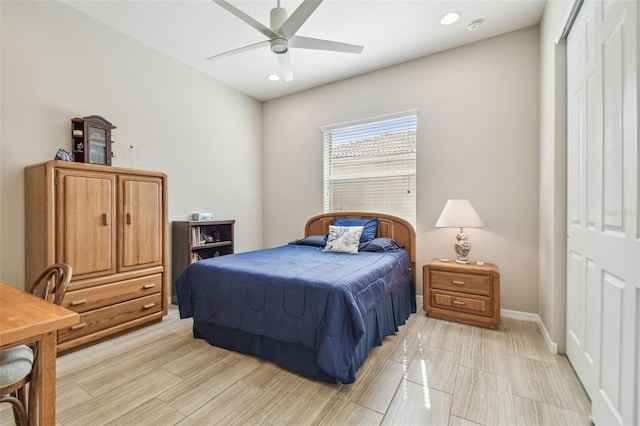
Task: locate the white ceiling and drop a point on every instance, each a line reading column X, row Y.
column 391, row 31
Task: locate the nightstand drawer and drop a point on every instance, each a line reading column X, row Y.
column 466, row 283
column 476, row 305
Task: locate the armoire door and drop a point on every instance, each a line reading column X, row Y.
column 85, row 222
column 141, row 229
column 603, row 246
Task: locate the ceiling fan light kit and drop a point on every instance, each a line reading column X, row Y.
column 281, row 34
column 279, row 45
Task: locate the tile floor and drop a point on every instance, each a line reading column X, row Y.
column 432, row 372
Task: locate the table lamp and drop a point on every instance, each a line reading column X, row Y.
column 460, row 214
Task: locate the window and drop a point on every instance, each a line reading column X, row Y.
column 370, row 166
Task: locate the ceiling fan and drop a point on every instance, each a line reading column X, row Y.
column 281, row 34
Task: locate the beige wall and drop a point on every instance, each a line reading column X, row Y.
column 553, row 160
column 478, row 135
column 58, row 64
column 478, row 118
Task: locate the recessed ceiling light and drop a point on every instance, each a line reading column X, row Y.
column 450, row 18
column 273, row 77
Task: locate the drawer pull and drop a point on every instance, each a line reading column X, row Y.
column 148, row 286
column 78, row 326
column 148, row 306
column 78, row 302
column 457, row 282
column 457, row 302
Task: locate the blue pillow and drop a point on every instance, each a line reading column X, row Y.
column 381, row 244
column 370, row 226
column 311, row 240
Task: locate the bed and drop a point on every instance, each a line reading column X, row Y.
column 314, row 312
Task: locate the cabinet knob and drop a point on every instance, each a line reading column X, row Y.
column 148, row 306
column 148, row 286
column 78, row 302
column 105, row 219
column 458, row 302
column 458, row 282
column 128, row 218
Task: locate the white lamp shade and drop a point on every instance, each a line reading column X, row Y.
column 459, row 214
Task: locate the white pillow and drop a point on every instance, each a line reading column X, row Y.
column 344, row 239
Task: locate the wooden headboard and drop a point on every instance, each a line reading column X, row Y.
column 388, row 226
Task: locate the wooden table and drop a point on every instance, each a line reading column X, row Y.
column 26, row 318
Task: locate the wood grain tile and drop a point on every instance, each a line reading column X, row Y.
column 459, row 421
column 549, row 382
column 432, row 372
column 528, row 412
column 338, row 411
column 375, row 385
column 417, row 404
column 486, row 350
column 525, row 339
column 483, row 397
column 446, row 335
column 120, row 398
column 435, row 368
column 151, row 412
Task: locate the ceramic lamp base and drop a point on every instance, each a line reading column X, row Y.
column 462, row 247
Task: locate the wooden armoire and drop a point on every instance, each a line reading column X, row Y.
column 110, row 224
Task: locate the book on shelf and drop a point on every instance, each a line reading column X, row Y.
column 197, row 237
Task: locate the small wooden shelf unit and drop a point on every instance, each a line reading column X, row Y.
column 196, row 240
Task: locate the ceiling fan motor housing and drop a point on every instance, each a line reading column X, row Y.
column 278, row 17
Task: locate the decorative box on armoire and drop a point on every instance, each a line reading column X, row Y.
column 110, row 224
column 91, row 140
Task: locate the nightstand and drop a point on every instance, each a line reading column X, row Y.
column 467, row 293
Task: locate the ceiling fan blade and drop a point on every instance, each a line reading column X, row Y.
column 239, row 50
column 319, row 44
column 298, row 17
column 285, row 64
column 246, row 18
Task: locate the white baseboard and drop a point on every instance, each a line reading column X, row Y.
column 528, row 316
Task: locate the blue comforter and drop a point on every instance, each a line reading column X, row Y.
column 293, row 293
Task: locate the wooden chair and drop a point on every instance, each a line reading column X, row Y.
column 17, row 363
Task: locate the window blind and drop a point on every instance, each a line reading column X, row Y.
column 370, row 166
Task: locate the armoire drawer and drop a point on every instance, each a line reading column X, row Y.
column 110, row 316
column 108, row 294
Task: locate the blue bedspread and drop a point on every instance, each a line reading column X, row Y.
column 297, row 294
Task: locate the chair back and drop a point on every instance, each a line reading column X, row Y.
column 52, row 283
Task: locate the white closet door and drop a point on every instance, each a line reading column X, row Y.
column 582, row 194
column 603, row 276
